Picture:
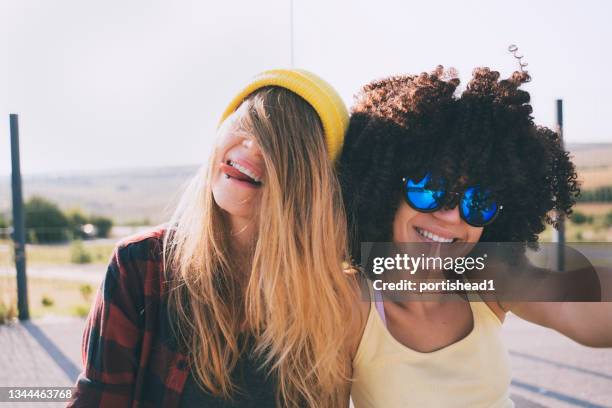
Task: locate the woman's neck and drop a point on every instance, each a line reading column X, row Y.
column 423, row 301
column 241, row 240
column 241, row 233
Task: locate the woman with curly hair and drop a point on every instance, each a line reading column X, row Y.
column 237, row 301
column 422, row 165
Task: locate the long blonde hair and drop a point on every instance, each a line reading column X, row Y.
column 297, row 302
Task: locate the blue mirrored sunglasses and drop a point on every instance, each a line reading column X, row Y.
column 477, row 206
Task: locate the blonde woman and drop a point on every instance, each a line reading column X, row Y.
column 239, row 301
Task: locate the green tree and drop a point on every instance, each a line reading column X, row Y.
column 103, row 225
column 600, row 194
column 44, row 221
column 579, row 218
column 77, row 219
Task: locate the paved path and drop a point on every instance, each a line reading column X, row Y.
column 548, row 369
column 555, row 371
column 44, row 352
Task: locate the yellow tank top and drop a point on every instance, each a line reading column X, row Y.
column 471, row 373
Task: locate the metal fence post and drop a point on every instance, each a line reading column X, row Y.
column 18, row 222
column 560, row 233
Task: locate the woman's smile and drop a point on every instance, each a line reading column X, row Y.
column 428, row 235
column 242, row 172
column 443, row 226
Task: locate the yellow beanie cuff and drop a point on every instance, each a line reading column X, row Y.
column 314, row 90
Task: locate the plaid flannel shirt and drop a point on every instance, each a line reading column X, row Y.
column 130, row 356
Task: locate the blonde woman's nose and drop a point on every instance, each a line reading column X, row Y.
column 247, row 142
column 251, row 144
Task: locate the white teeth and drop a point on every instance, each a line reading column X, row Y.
column 245, row 171
column 432, row 236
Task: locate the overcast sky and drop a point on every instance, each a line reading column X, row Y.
column 125, row 84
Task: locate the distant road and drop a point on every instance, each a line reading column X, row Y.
column 90, row 273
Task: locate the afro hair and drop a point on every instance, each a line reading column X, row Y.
column 406, row 126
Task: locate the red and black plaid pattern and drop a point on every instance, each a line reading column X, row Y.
column 130, row 355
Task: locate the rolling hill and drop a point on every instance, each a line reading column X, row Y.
column 133, row 195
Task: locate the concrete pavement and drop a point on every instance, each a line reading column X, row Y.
column 548, row 369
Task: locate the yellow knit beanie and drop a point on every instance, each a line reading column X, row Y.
column 314, row 90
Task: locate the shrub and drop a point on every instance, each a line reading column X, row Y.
column 4, row 226
column 81, row 311
column 608, row 219
column 47, row 301
column 8, row 313
column 78, row 253
column 86, row 291
column 3, row 313
column 11, row 314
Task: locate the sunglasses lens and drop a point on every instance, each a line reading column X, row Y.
column 420, row 196
column 478, row 206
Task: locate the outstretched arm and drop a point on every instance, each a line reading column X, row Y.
column 588, row 323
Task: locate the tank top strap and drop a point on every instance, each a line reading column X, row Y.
column 481, row 310
column 376, row 300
